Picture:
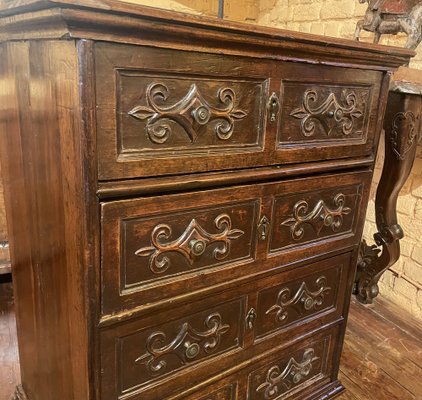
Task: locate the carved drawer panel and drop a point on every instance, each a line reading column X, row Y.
column 292, row 371
column 331, row 113
column 196, row 340
column 155, row 248
column 150, row 242
column 138, row 355
column 167, row 112
column 328, row 208
column 315, row 291
column 326, row 113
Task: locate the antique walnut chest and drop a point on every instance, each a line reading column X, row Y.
column 185, row 200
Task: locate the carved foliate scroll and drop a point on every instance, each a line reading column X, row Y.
column 187, row 345
column 191, row 244
column 331, row 113
column 190, row 113
column 278, row 381
column 302, row 301
column 319, row 217
column 402, row 127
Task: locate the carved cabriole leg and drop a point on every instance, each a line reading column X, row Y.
column 19, row 394
column 402, row 130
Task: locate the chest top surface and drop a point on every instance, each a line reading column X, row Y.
column 118, row 21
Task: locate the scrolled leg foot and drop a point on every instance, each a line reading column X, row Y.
column 366, row 289
column 402, row 131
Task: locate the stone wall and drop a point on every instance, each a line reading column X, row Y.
column 234, row 10
column 338, row 18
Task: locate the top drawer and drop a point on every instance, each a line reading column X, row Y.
column 162, row 111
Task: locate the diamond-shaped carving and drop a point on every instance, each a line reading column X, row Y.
column 190, row 113
column 191, row 244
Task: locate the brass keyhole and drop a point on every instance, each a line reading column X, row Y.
column 263, row 228
column 273, row 106
column 251, row 318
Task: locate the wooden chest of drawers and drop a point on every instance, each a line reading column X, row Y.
column 186, row 200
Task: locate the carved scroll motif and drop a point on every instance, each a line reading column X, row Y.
column 331, row 113
column 303, row 300
column 295, row 372
column 321, row 216
column 187, row 346
column 191, row 244
column 190, row 113
column 409, row 119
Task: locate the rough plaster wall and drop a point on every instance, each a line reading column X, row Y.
column 338, row 18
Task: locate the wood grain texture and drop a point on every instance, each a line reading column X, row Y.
column 156, row 289
column 397, row 333
column 41, row 118
column 154, row 93
column 4, row 241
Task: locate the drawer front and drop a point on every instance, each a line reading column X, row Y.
column 165, row 246
column 324, row 113
column 299, row 296
column 314, row 215
column 141, row 354
column 167, row 112
column 327, row 112
column 156, row 248
column 195, row 341
column 292, row 370
column 162, row 112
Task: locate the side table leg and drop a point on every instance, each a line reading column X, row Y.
column 402, row 127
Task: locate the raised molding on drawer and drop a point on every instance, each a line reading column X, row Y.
column 291, row 371
column 324, row 113
column 182, row 339
column 194, row 339
column 155, row 248
column 307, row 296
column 168, row 112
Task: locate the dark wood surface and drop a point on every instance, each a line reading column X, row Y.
column 48, row 271
column 382, row 355
column 240, row 286
column 120, row 21
column 403, row 131
column 142, row 84
column 4, row 237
